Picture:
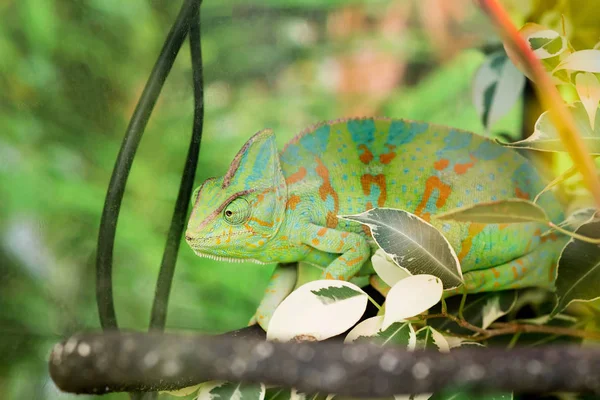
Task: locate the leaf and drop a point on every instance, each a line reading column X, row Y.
column 332, row 294
column 588, row 89
column 412, row 243
column 497, row 86
column 580, row 217
column 428, row 338
column 278, row 393
column 578, row 276
column 545, row 137
column 397, row 334
column 497, row 212
column 387, row 269
column 186, row 391
column 304, row 316
column 583, row 60
column 547, row 43
column 480, row 309
column 220, row 390
column 411, row 296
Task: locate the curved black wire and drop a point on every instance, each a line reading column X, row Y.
column 118, row 180
column 167, row 268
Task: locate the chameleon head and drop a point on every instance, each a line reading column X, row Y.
column 234, row 216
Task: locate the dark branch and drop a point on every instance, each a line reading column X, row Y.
column 100, row 363
column 167, row 268
column 118, row 180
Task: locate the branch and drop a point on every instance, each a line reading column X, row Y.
column 110, row 362
column 167, row 268
column 118, row 180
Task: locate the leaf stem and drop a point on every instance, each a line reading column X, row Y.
column 574, row 234
column 509, row 328
column 374, row 302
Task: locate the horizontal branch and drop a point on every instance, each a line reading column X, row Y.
column 112, row 362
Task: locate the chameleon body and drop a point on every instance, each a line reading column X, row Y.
column 284, row 206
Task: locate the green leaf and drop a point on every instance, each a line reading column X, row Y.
column 480, row 309
column 219, row 390
column 547, row 43
column 397, row 334
column 413, row 244
column 578, row 276
column 497, row 212
column 545, row 136
column 428, row 338
column 332, row 294
column 497, row 86
column 278, row 393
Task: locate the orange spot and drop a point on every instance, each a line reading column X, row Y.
column 340, row 247
column 322, row 232
column 552, row 272
column 441, row 164
column 261, row 222
column 466, row 244
column 503, row 226
column 520, row 261
column 515, row 272
column 354, row 261
column 521, row 194
column 496, row 285
column 463, row 168
column 329, row 276
column 432, row 183
column 327, row 190
column 496, row 273
column 218, row 240
column 551, row 236
column 366, row 230
column 366, row 156
column 315, row 242
column 293, row 201
column 345, row 234
column 296, row 176
column 368, row 206
column 523, row 270
column 274, row 276
column 388, row 157
column 379, row 180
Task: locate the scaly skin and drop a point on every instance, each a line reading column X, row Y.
column 273, row 207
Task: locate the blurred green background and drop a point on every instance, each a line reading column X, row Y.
column 70, row 75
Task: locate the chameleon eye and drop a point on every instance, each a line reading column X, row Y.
column 237, row 211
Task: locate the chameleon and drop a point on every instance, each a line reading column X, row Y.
column 286, row 207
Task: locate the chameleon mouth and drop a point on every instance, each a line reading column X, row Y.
column 227, row 259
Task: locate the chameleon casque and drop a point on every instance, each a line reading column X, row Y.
column 282, row 207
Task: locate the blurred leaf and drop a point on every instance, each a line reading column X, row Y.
column 583, row 60
column 545, row 136
column 497, row 86
column 497, row 212
column 588, row 89
column 578, row 276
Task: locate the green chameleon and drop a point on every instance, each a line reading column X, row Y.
column 284, row 207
